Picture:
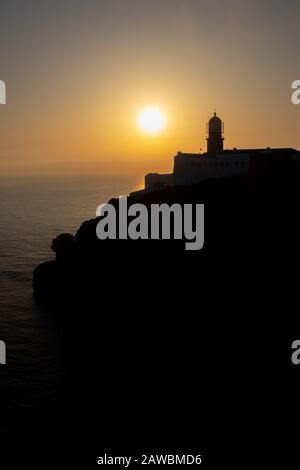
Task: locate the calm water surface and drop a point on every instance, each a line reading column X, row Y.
column 32, row 213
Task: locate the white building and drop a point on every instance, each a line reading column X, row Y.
column 191, row 168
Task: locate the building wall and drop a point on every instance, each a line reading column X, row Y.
column 155, row 181
column 269, row 170
column 191, row 169
column 264, row 167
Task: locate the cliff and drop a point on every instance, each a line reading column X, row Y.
column 160, row 337
column 240, row 226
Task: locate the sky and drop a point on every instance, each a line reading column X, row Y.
column 79, row 72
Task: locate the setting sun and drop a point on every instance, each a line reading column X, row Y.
column 152, row 120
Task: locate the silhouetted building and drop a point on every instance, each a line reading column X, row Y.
column 215, row 139
column 262, row 166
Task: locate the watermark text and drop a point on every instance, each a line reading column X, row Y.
column 158, row 222
column 2, row 352
column 296, row 352
column 2, row 92
column 296, row 93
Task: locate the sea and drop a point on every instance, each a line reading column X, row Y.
column 32, row 212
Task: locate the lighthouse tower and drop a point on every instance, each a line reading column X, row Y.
column 215, row 139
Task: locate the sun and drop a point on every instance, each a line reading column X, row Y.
column 152, row 120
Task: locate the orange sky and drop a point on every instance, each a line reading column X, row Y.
column 76, row 82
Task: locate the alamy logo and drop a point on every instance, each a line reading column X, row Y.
column 296, row 93
column 2, row 92
column 296, row 353
column 177, row 222
column 2, row 352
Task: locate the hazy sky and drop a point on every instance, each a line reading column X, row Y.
column 78, row 72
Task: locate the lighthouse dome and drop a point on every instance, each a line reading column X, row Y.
column 215, row 124
column 215, row 129
column 215, row 120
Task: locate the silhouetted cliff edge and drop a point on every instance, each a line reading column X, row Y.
column 158, row 337
column 241, row 228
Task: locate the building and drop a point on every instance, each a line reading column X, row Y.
column 261, row 166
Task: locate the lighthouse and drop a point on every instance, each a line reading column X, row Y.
column 215, row 139
column 260, row 166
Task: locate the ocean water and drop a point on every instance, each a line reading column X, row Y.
column 34, row 211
